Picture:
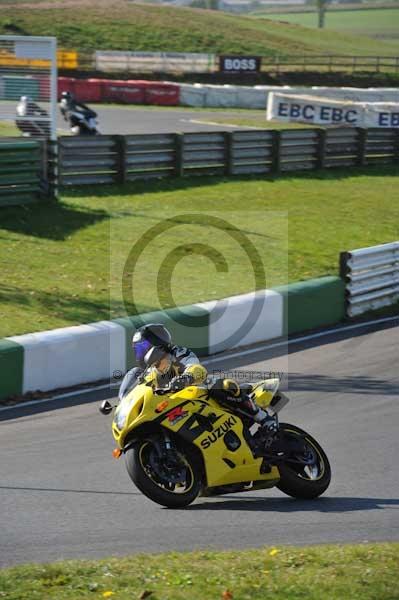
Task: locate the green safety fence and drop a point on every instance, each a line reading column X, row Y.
column 21, row 168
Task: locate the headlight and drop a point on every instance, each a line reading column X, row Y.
column 120, row 417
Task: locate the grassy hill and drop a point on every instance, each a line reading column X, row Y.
column 100, row 24
column 379, row 23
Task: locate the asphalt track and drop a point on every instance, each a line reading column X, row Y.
column 62, row 495
column 129, row 120
column 120, row 120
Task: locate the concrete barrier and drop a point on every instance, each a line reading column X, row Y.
column 83, row 354
column 71, row 355
column 245, row 319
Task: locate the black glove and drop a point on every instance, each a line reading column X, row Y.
column 181, row 381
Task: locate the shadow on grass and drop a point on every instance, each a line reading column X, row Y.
column 59, row 220
column 69, row 307
column 171, row 184
column 54, row 221
column 73, row 308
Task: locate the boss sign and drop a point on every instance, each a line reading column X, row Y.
column 240, row 64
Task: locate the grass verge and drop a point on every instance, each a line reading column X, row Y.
column 55, row 258
column 8, row 129
column 366, row 571
column 379, row 23
column 256, row 120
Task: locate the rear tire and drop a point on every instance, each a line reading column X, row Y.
column 153, row 483
column 297, row 480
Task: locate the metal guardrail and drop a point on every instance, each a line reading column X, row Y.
column 23, row 171
column 117, row 159
column 372, row 277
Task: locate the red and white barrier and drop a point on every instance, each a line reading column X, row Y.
column 124, row 92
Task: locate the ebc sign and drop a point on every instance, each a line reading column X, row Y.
column 239, row 64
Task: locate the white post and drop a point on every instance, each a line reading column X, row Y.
column 53, row 89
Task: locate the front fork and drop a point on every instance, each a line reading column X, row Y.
column 166, row 450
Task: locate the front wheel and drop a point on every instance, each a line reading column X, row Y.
column 173, row 481
column 306, row 471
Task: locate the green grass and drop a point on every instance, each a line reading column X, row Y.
column 165, row 28
column 257, row 120
column 337, row 572
column 379, row 23
column 61, row 263
column 8, row 129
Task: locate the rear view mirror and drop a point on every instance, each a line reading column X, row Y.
column 105, row 407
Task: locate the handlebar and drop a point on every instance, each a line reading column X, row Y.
column 162, row 391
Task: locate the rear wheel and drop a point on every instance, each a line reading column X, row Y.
column 306, row 472
column 172, row 480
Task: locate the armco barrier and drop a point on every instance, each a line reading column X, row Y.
column 371, row 278
column 88, row 160
column 108, row 159
column 21, row 164
column 83, row 354
column 149, row 155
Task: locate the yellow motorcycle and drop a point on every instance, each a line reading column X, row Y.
column 179, row 445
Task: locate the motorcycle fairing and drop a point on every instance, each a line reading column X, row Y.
column 202, row 422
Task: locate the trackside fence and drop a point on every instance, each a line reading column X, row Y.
column 23, row 171
column 371, row 278
column 32, row 169
column 117, row 159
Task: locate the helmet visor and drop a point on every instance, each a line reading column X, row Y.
column 140, row 349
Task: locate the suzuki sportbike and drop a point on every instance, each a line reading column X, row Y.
column 180, row 445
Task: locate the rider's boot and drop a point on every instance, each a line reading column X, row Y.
column 265, row 435
column 260, row 416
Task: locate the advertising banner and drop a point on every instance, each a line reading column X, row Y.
column 239, row 64
column 150, row 62
column 325, row 111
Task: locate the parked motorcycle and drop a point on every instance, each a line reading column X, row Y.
column 179, row 445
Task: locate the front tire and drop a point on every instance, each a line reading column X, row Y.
column 300, row 480
column 173, row 488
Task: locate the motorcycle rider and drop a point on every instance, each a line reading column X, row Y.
column 30, row 110
column 177, row 359
column 178, row 367
column 69, row 104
